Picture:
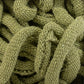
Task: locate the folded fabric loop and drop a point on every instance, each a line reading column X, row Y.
column 41, row 41
column 69, row 7
column 72, row 65
column 3, row 45
column 11, row 23
column 29, row 48
column 64, row 46
column 78, row 6
column 62, row 16
column 6, row 33
column 44, row 5
column 27, row 70
column 12, row 51
column 44, row 45
column 58, row 3
column 42, row 20
column 9, row 6
column 24, row 12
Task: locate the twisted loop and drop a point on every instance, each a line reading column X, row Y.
column 43, row 45
column 10, row 55
column 41, row 41
column 64, row 46
column 44, row 5
column 23, row 12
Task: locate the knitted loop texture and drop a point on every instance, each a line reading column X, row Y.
column 41, row 41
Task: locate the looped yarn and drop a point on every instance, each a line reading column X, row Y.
column 42, row 50
column 44, row 5
column 11, row 23
column 10, row 60
column 62, row 16
column 43, row 19
column 24, row 12
column 78, row 6
column 65, row 44
column 41, row 41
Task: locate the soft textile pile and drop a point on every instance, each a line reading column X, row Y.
column 41, row 41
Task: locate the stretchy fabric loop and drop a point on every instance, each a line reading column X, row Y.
column 64, row 46
column 72, row 66
column 44, row 5
column 6, row 33
column 11, row 23
column 78, row 6
column 42, row 41
column 62, row 16
column 10, row 56
column 24, row 12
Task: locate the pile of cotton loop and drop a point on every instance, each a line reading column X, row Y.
column 41, row 41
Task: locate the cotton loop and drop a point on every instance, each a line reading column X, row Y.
column 62, row 16
column 65, row 44
column 41, row 41
column 42, row 20
column 78, row 6
column 11, row 61
column 3, row 45
column 11, row 23
column 44, row 5
column 72, row 66
column 28, row 68
column 22, row 11
column 6, row 33
column 43, row 44
column 69, row 7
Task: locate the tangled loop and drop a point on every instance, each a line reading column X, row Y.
column 41, row 41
